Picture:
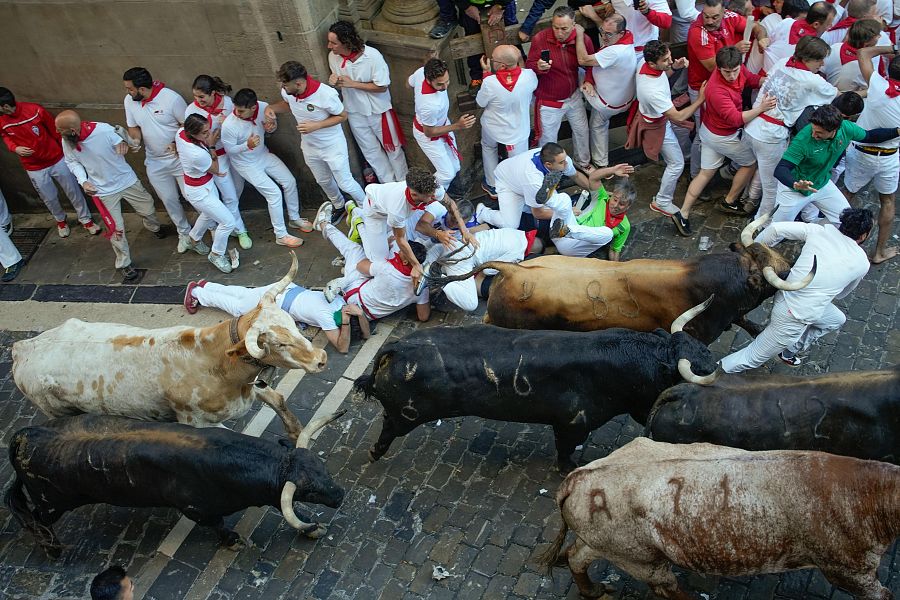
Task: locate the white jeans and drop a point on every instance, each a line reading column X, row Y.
column 236, row 300
column 5, row 217
column 266, row 176
column 205, row 199
column 768, row 155
column 444, row 159
column 491, row 157
column 784, row 332
column 581, row 239
column 674, row 159
column 9, row 254
column 228, row 192
column 573, row 110
column 331, row 168
column 42, row 180
column 600, row 117
column 510, row 213
column 829, row 200
column 367, row 131
column 142, row 203
column 374, row 232
column 167, row 178
column 352, row 253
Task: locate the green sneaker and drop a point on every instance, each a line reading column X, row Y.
column 244, row 240
column 349, row 207
column 354, row 230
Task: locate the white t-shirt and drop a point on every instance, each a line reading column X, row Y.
column 215, row 121
column 880, row 110
column 318, row 106
column 388, row 291
column 756, row 59
column 614, row 77
column 369, row 67
column 388, row 201
column 519, row 175
column 843, row 77
column 643, row 30
column 653, row 94
column 98, row 162
column 235, row 133
column 507, row 114
column 312, row 308
column 439, row 223
column 195, row 160
column 159, row 120
column 431, row 107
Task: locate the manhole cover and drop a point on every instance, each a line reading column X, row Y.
column 27, row 239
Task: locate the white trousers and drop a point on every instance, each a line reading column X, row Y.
column 142, row 203
column 5, row 217
column 43, row 179
column 511, row 205
column 573, row 110
column 167, row 178
column 331, row 168
column 674, row 159
column 373, row 233
column 205, row 199
column 236, row 300
column 863, row 168
column 600, row 116
column 266, row 176
column 228, row 191
column 367, row 131
column 491, row 157
column 829, row 200
column 784, row 332
column 441, row 155
column 352, row 253
column 9, row 254
column 581, row 239
column 768, row 155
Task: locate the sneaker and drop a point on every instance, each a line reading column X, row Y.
column 191, row 304
column 92, row 228
column 479, row 211
column 8, row 228
column 323, row 216
column 302, row 224
column 332, row 290
column 793, row 361
column 184, row 243
column 160, row 233
column 656, row 208
column 290, row 241
column 558, row 229
column 62, row 228
column 244, row 240
column 12, row 271
column 731, row 209
column 548, row 186
column 129, row 273
column 490, row 190
column 441, row 29
column 337, row 213
column 200, row 248
column 727, row 171
column 353, row 234
column 682, row 224
column 219, row 261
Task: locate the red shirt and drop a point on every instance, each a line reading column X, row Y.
column 703, row 44
column 33, row 127
column 561, row 80
column 722, row 110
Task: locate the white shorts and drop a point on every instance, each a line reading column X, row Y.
column 863, row 168
column 716, row 148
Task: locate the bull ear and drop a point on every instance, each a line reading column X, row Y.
column 238, row 350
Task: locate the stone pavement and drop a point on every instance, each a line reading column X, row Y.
column 472, row 496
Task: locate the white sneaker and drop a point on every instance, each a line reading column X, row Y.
column 92, row 228
column 332, row 289
column 184, row 243
column 479, row 210
column 302, row 224
column 62, row 228
column 290, row 241
column 323, row 216
column 221, row 262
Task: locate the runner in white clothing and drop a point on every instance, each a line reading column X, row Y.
column 856, row 11
column 319, row 113
column 841, row 67
column 243, row 136
column 362, row 75
column 432, row 128
column 505, row 94
column 154, row 113
column 212, row 102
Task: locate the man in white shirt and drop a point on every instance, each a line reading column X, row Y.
column 94, row 153
column 612, row 70
column 505, row 94
column 319, row 113
column 856, row 11
column 841, row 67
column 363, row 78
column 154, row 114
column 646, row 21
column 802, row 316
column 243, row 136
column 431, row 126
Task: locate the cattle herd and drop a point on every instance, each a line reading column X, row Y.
column 737, row 474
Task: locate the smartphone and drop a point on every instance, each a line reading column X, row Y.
column 637, row 5
column 545, row 56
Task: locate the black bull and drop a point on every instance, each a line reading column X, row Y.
column 206, row 474
column 574, row 381
column 854, row 414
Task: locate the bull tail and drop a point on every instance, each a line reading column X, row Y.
column 551, row 557
column 493, row 264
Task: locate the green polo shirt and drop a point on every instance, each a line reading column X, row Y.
column 597, row 218
column 815, row 158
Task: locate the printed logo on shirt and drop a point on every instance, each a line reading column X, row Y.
column 35, row 130
column 310, row 107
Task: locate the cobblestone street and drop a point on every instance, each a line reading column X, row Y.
column 472, row 496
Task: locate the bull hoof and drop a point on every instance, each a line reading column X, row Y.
column 565, row 467
column 373, row 456
column 235, row 542
column 316, row 533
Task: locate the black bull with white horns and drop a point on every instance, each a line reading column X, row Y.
column 572, row 381
column 206, row 474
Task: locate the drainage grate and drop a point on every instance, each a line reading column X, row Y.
column 27, row 240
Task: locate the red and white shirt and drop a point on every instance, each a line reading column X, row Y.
column 159, row 116
column 368, row 66
column 702, row 44
column 614, row 75
column 32, row 126
column 653, row 94
column 506, row 98
column 389, row 201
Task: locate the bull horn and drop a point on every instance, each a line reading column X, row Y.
column 287, row 510
column 315, row 425
column 684, row 369
column 252, row 344
column 679, row 323
column 281, row 285
column 780, row 284
column 752, row 226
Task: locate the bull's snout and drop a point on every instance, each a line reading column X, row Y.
column 322, row 361
column 335, row 497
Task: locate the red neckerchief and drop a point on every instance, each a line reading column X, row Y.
column 154, row 90
column 183, row 135
column 893, row 88
column 312, row 86
column 251, row 119
column 509, row 77
column 848, row 53
column 646, row 69
column 843, row 23
column 413, row 203
column 87, row 127
column 627, row 39
column 351, row 57
column 427, row 88
column 569, row 40
column 397, row 263
column 217, row 107
column 800, row 28
column 796, row 64
column 612, row 221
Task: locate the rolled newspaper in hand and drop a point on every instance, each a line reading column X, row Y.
column 748, row 30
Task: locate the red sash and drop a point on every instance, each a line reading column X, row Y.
column 111, row 233
column 446, row 137
column 387, row 137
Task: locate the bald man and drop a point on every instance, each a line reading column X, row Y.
column 94, row 152
column 505, row 94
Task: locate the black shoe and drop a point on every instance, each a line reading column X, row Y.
column 548, row 186
column 129, row 273
column 441, row 29
column 682, row 225
column 732, row 209
column 558, row 229
column 160, row 233
column 12, row 271
column 8, row 228
column 337, row 214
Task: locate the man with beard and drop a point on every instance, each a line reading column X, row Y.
column 94, row 153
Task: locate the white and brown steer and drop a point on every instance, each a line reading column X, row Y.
column 723, row 511
column 197, row 376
